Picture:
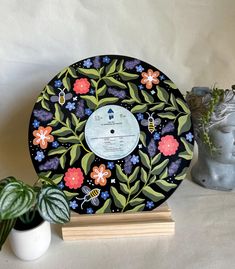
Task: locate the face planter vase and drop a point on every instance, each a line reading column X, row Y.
column 213, row 114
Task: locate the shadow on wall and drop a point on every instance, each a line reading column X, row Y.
column 14, row 153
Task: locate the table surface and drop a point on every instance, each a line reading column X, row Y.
column 204, row 238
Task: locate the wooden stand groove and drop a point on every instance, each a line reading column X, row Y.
column 147, row 223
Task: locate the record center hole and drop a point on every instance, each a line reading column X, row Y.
column 112, row 131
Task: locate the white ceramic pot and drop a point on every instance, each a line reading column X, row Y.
column 31, row 244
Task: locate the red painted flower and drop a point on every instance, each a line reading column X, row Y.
column 43, row 136
column 81, row 86
column 74, row 178
column 150, row 78
column 168, row 145
column 100, row 174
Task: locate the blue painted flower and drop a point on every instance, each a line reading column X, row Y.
column 139, row 68
column 40, row 155
column 58, row 83
column 70, row 106
column 140, row 116
column 92, row 91
column 141, row 87
column 134, row 159
column 189, row 137
column 150, row 204
column 162, row 77
column 36, row 123
column 88, row 111
column 110, row 165
column 73, row 204
column 104, row 195
column 61, row 185
column 106, row 60
column 89, row 210
column 87, row 63
column 55, row 144
column 156, row 136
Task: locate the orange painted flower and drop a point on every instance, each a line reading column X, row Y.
column 100, row 175
column 150, row 78
column 81, row 86
column 43, row 136
column 168, row 145
column 74, row 178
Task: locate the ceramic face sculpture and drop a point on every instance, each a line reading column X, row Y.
column 215, row 167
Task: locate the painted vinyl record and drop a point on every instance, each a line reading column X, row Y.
column 114, row 133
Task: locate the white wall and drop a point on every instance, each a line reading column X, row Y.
column 192, row 41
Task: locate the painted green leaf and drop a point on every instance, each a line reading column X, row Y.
column 164, row 185
column 101, row 71
column 120, row 175
column 16, row 198
column 184, row 124
column 75, row 120
column 106, row 208
column 164, row 174
column 147, row 97
column 80, row 125
column 144, row 159
column 119, row 199
column 62, row 160
column 173, row 101
column 144, row 175
column 171, row 84
column 74, row 154
column 102, row 90
column 156, row 158
column 39, row 99
column 91, row 72
column 127, row 76
column 120, row 66
column 93, row 83
column 182, row 174
column 46, row 96
column 134, row 92
column 183, row 105
column 45, row 105
column 53, row 123
column 53, row 205
column 124, row 188
column 143, row 138
column 72, row 72
column 62, row 131
column 68, row 123
column 137, row 208
column 152, row 179
column 69, row 139
column 59, row 150
column 90, row 100
column 170, row 108
column 162, row 94
column 159, row 106
column 159, row 168
column 134, row 175
column 139, row 108
column 113, row 82
column 59, row 115
column 135, row 188
column 81, row 136
column 185, row 155
column 50, row 90
column 136, row 201
column 128, row 101
column 108, row 100
column 66, row 83
column 87, row 160
column 111, row 67
column 57, row 178
column 62, row 72
column 70, row 195
column 153, row 195
column 187, row 145
column 166, row 115
column 44, row 174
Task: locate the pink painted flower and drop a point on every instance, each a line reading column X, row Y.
column 81, row 86
column 168, row 145
column 74, row 178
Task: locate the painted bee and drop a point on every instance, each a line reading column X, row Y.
column 90, row 195
column 151, row 122
column 62, row 97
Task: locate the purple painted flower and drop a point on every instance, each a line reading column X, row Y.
column 55, row 144
column 88, row 111
column 189, row 137
column 87, row 63
column 117, row 93
column 150, row 204
column 156, row 136
column 51, row 164
column 42, row 114
column 57, row 83
column 80, row 111
column 128, row 165
column 96, row 62
column 169, row 127
column 173, row 167
column 110, row 165
column 135, row 159
column 73, row 204
column 61, row 185
column 89, row 211
column 140, row 116
column 106, row 59
column 104, row 195
column 139, row 68
column 152, row 148
column 39, row 156
column 70, row 106
column 131, row 64
column 36, row 123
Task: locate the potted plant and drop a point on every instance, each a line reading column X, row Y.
column 26, row 213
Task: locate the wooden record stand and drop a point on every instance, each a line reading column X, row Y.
column 147, row 223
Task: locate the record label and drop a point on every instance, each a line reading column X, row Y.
column 114, row 133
